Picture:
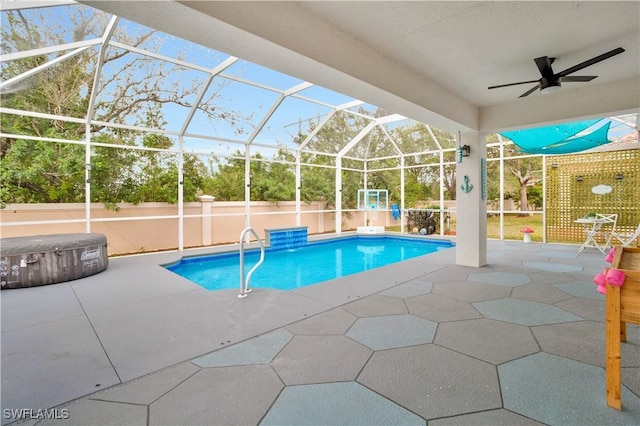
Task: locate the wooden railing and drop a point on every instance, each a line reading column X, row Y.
column 622, row 306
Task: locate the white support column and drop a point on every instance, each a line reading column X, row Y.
column 402, row 164
column 181, row 193
column 365, row 185
column 206, row 204
column 501, row 187
column 111, row 27
column 339, row 195
column 471, row 205
column 247, row 187
column 298, row 190
column 87, row 177
column 441, row 232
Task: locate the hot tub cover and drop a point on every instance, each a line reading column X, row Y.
column 44, row 243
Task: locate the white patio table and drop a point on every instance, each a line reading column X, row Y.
column 593, row 227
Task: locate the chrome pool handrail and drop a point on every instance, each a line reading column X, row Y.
column 244, row 283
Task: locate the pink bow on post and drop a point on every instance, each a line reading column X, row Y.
column 615, row 277
column 610, row 255
column 601, row 281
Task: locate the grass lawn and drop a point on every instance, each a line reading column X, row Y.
column 512, row 226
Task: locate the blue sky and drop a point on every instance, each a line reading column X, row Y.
column 246, row 100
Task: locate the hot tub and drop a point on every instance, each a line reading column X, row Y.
column 51, row 259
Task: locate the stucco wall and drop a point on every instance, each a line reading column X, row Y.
column 155, row 226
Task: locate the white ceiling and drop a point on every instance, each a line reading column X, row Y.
column 431, row 61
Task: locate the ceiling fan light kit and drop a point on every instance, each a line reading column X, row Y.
column 550, row 82
column 547, row 87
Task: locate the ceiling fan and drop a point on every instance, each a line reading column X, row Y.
column 550, row 82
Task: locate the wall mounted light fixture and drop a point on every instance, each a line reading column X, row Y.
column 579, row 178
column 463, row 151
column 554, row 165
column 619, row 176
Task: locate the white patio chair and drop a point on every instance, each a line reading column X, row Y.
column 604, row 226
column 626, row 238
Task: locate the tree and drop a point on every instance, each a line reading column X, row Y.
column 227, row 182
column 424, row 182
column 277, row 183
column 132, row 90
column 319, row 182
column 522, row 175
column 526, row 171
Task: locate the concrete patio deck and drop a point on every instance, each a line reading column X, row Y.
column 519, row 341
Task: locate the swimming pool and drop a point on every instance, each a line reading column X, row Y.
column 312, row 263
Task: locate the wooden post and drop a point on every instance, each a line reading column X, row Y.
column 622, row 306
column 612, row 328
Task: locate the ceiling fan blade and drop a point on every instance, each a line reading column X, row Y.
column 530, row 91
column 571, row 78
column 590, row 62
column 514, row 84
column 544, row 66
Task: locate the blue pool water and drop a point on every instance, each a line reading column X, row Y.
column 287, row 269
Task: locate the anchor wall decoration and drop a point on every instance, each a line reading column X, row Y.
column 467, row 186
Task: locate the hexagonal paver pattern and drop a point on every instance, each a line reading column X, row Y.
column 247, row 391
column 149, row 388
column 336, row 404
column 582, row 341
column 492, row 341
column 552, row 267
column 259, row 350
column 581, row 289
column 558, row 253
column 440, row 308
column 505, row 279
column 470, row 292
column 392, row 331
column 335, row 321
column 409, row 289
column 444, row 275
column 548, row 277
column 376, row 305
column 318, row 359
column 536, row 386
column 539, row 292
column 422, row 379
column 524, row 312
column 492, row 417
column 588, row 309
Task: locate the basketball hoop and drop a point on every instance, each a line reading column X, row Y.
column 373, row 212
column 371, row 201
